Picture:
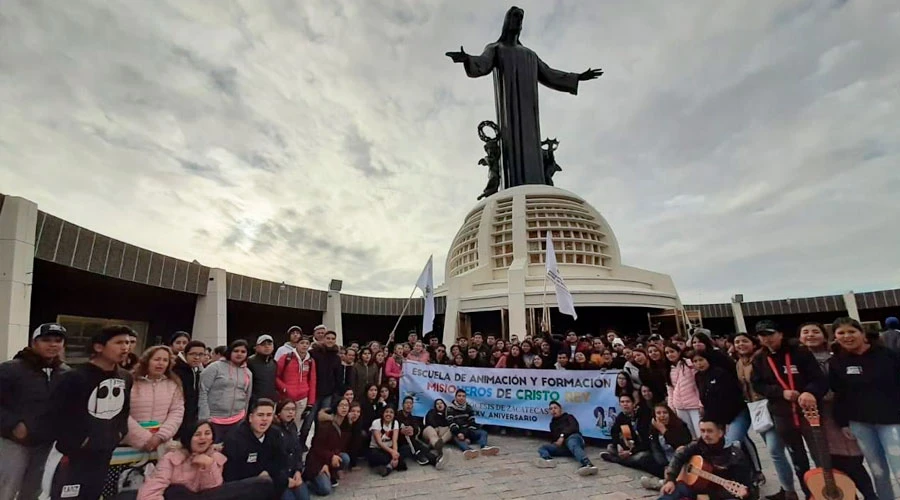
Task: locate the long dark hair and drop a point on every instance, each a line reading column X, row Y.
column 669, row 364
column 629, row 385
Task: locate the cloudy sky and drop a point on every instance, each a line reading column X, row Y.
column 742, row 146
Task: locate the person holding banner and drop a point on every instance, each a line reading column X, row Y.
column 567, row 441
column 461, row 416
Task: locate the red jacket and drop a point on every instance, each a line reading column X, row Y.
column 296, row 379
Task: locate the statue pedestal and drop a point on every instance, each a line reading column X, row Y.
column 496, row 261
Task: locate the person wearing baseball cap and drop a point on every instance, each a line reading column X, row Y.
column 27, row 382
column 294, row 334
column 891, row 335
column 263, row 367
column 791, row 379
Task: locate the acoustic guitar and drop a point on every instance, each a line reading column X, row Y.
column 697, row 474
column 626, row 436
column 825, row 483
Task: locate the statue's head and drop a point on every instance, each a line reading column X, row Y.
column 512, row 24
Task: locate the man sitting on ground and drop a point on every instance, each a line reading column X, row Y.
column 465, row 431
column 254, row 449
column 728, row 462
column 411, row 443
column 630, row 434
column 567, row 441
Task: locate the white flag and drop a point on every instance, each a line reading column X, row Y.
column 563, row 297
column 426, row 284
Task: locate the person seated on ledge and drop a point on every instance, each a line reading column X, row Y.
column 465, row 431
column 630, row 434
column 567, row 441
column 728, row 462
column 412, row 444
column 255, row 449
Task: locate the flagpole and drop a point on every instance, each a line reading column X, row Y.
column 405, row 307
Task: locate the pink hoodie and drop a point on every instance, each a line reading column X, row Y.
column 392, row 369
column 160, row 400
column 683, row 393
column 176, row 468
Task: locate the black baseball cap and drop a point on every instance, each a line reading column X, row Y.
column 766, row 327
column 49, row 330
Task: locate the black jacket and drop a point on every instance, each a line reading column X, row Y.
column 639, row 424
column 92, row 407
column 247, row 457
column 721, row 395
column 728, row 462
column 190, row 384
column 26, row 383
column 329, row 370
column 435, row 419
column 866, row 387
column 677, row 435
column 563, row 426
column 461, row 418
column 263, row 369
column 348, row 378
column 808, row 376
column 293, row 453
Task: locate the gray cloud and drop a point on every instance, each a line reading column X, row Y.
column 741, row 147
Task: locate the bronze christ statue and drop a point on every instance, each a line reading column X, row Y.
column 517, row 71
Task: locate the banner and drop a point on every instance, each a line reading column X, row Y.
column 517, row 398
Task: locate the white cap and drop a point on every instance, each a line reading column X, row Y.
column 264, row 338
column 320, row 327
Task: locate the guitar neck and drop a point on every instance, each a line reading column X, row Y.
column 731, row 486
column 823, row 456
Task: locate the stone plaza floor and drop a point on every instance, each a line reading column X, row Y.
column 509, row 475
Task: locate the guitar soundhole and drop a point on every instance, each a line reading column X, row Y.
column 832, row 493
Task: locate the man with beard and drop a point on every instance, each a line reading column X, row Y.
column 26, row 384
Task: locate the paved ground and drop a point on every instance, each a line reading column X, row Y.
column 510, row 475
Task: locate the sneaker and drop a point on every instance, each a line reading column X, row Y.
column 439, row 465
column 587, row 469
column 607, row 457
column 490, row 451
column 544, row 463
column 470, row 454
column 382, row 470
column 651, row 483
column 334, row 482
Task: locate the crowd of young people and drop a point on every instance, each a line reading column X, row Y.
column 222, row 423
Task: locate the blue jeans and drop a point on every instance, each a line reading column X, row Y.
column 880, row 445
column 476, row 436
column 738, row 431
column 321, row 485
column 778, row 452
column 574, row 447
column 299, row 493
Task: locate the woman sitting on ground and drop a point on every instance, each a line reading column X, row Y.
column 667, row 434
column 384, row 454
column 195, row 472
column 328, row 454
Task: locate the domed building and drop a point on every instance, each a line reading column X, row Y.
column 496, row 265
